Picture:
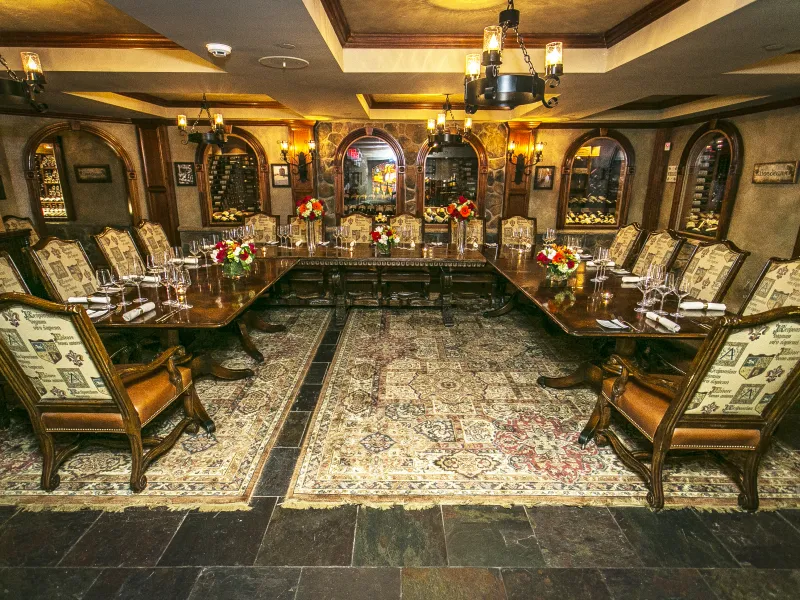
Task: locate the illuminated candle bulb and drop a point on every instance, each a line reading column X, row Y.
column 182, row 122
column 32, row 66
column 312, row 145
column 441, row 119
column 219, row 121
column 431, row 124
column 492, row 45
column 511, row 147
column 553, row 59
column 284, row 146
column 539, row 146
column 468, row 124
column 473, row 68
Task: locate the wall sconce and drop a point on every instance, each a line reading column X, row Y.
column 304, row 159
column 18, row 90
column 521, row 169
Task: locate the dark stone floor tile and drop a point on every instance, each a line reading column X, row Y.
column 555, row 584
column 671, row 538
column 246, row 583
column 325, row 353
column 40, row 539
column 316, row 373
column 331, row 336
column 53, row 584
column 753, row 584
column 314, row 537
column 134, row 538
column 6, row 512
column 580, row 537
column 277, row 472
column 788, row 431
column 490, row 536
column 307, row 397
column 143, row 584
column 293, row 428
column 349, row 584
column 792, row 517
column 656, row 584
column 452, row 584
column 400, row 538
column 219, row 538
column 759, row 539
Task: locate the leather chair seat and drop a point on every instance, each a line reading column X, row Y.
column 645, row 409
column 149, row 394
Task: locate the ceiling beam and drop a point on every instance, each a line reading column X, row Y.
column 58, row 39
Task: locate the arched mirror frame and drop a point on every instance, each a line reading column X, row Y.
column 200, row 157
column 734, row 138
column 29, row 166
column 338, row 165
column 483, row 172
column 566, row 174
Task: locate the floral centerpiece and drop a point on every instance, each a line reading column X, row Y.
column 384, row 237
column 235, row 258
column 461, row 212
column 560, row 261
column 309, row 210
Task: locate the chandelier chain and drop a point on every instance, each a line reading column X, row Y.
column 527, row 57
column 11, row 73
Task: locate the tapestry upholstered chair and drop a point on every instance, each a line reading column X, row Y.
column 13, row 223
column 745, row 378
column 64, row 268
column 485, row 277
column 712, row 269
column 10, row 278
column 476, row 232
column 299, row 231
column 777, row 286
column 152, row 238
column 623, row 249
column 54, row 360
column 414, row 224
column 360, row 226
column 400, row 285
column 265, row 226
column 523, row 225
column 661, row 248
column 118, row 249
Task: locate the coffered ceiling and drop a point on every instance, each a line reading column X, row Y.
column 626, row 61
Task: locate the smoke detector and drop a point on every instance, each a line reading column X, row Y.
column 219, row 50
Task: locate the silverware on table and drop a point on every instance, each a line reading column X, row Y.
column 163, row 318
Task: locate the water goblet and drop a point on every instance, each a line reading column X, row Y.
column 105, row 280
column 194, row 251
column 681, row 286
column 177, row 255
column 643, row 285
column 183, row 280
column 136, row 275
column 664, row 289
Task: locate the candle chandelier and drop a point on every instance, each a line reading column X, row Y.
column 442, row 134
column 303, row 159
column 16, row 90
column 494, row 90
column 216, row 134
column 519, row 162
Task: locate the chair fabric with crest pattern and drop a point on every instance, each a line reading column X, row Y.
column 778, row 285
column 13, row 223
column 265, row 226
column 152, row 238
column 661, row 248
column 712, row 269
column 475, row 231
column 64, row 268
column 10, row 278
column 624, row 245
column 118, row 248
column 360, row 228
column 408, row 220
column 54, row 360
column 745, row 378
column 300, row 235
column 528, row 227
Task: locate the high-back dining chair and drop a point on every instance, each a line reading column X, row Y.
column 524, row 224
column 300, row 233
column 661, row 248
column 64, row 268
column 54, row 360
column 13, row 223
column 360, row 228
column 152, row 238
column 265, row 226
column 712, row 269
column 777, row 286
column 623, row 249
column 10, row 278
column 744, row 379
column 118, row 248
column 476, row 231
column 415, row 224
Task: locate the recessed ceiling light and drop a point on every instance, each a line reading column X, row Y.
column 286, row 46
column 219, row 50
column 773, row 47
column 283, row 62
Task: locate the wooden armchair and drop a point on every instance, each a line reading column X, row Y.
column 661, row 248
column 152, row 238
column 363, row 283
column 777, row 286
column 10, row 278
column 64, row 268
column 623, row 249
column 744, row 379
column 476, row 232
column 265, row 226
column 300, row 235
column 486, row 277
column 118, row 249
column 712, row 269
column 507, row 227
column 395, row 283
column 13, row 223
column 360, row 226
column 55, row 362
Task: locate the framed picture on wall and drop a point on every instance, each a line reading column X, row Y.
column 543, row 178
column 93, row 173
column 777, row 172
column 185, row 174
column 280, row 176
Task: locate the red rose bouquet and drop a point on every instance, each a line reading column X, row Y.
column 463, row 210
column 310, row 209
column 560, row 261
column 235, row 258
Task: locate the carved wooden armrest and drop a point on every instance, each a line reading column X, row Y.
column 654, row 383
column 166, row 358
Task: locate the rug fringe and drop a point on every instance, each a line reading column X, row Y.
column 122, row 506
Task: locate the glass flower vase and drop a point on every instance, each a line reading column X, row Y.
column 461, row 236
column 233, row 269
column 311, row 237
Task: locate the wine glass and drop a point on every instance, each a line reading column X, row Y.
column 345, row 235
column 152, row 263
column 643, row 285
column 656, row 273
column 601, row 260
column 163, row 275
column 194, row 250
column 680, row 287
column 664, row 289
column 105, row 280
column 177, row 255
column 183, row 280
column 332, row 234
column 136, row 275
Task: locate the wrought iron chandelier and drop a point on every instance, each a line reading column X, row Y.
column 216, row 134
column 494, row 90
column 16, row 90
column 442, row 134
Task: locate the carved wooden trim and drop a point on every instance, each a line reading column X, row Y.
column 58, row 39
column 29, row 167
column 152, row 99
column 656, row 178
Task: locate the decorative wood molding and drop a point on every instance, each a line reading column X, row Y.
column 299, row 136
column 516, row 196
column 656, row 179
column 378, row 105
column 151, row 99
column 669, row 102
column 159, row 183
column 63, row 115
column 640, row 19
column 57, row 39
column 336, row 16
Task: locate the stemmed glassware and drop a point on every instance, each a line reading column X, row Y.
column 332, row 234
column 182, row 280
column 345, row 233
column 105, row 280
column 643, row 285
column 680, row 287
column 194, row 251
column 601, row 260
column 136, row 275
column 549, row 236
column 664, row 289
column 163, row 274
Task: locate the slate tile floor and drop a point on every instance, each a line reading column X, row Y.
column 354, row 553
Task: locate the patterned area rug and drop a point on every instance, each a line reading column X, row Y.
column 200, row 469
column 416, row 413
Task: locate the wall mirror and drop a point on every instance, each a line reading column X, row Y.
column 369, row 177
column 595, row 182
column 449, row 173
column 708, row 177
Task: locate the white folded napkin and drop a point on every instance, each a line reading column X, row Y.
column 96, row 313
column 615, row 324
column 591, row 263
column 631, row 279
column 88, row 300
column 619, row 271
column 138, row 312
column 190, row 260
column 145, row 279
column 694, row 305
column 664, row 322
